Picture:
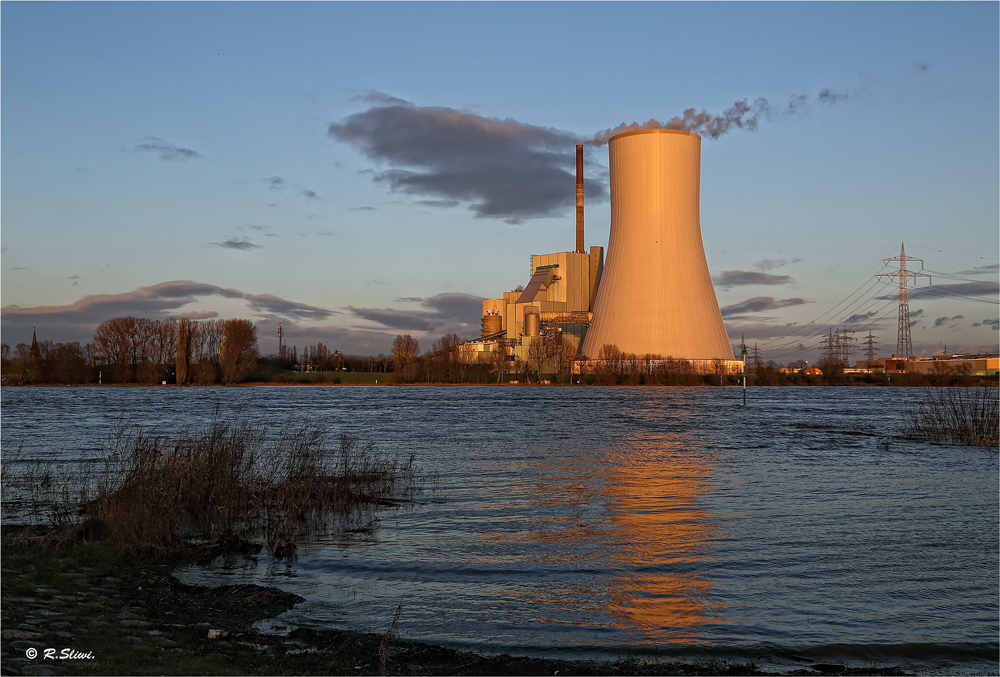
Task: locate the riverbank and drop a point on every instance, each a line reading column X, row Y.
column 81, row 608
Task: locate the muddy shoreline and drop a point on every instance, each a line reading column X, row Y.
column 79, row 610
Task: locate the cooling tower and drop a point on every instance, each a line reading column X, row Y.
column 656, row 294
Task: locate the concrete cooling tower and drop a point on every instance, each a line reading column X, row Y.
column 655, row 294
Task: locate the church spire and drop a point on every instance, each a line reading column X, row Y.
column 34, row 353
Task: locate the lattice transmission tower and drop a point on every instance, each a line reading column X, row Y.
column 904, row 345
column 871, row 347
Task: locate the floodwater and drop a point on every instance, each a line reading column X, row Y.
column 598, row 522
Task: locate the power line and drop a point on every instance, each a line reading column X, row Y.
column 941, row 251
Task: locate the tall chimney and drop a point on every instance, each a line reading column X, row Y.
column 579, row 198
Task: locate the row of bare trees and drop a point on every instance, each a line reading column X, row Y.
column 55, row 363
column 141, row 350
column 618, row 367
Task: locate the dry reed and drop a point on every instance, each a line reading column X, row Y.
column 236, row 481
column 969, row 416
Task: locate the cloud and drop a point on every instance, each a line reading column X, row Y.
column 941, row 321
column 732, row 278
column 858, row 318
column 240, row 243
column 346, row 340
column 981, row 270
column 275, row 183
column 771, row 264
column 77, row 321
column 959, row 290
column 759, row 304
column 441, row 314
column 992, row 324
column 500, row 168
column 166, row 151
column 309, row 194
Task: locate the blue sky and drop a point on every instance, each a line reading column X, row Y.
column 363, row 170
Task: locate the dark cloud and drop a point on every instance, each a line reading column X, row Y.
column 858, row 318
column 981, row 270
column 381, row 99
column 959, row 290
column 759, row 304
column 438, row 315
column 992, row 324
column 732, row 278
column 275, row 183
column 941, row 321
column 77, row 321
column 309, row 194
column 268, row 304
column 771, row 264
column 166, row 151
column 501, row 168
column 240, row 243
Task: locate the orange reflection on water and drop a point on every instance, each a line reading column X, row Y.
column 634, row 514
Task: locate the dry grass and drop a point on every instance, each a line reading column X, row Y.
column 968, row 416
column 385, row 650
column 235, row 481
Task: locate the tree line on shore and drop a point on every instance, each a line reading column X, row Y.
column 135, row 350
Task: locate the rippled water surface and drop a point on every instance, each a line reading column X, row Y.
column 599, row 521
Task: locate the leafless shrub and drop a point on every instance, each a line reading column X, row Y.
column 968, row 416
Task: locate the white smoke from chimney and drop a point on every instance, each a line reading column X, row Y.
column 741, row 115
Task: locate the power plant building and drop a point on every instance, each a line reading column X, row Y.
column 653, row 296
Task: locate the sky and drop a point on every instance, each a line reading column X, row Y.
column 362, row 170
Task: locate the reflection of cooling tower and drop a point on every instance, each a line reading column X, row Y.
column 656, row 294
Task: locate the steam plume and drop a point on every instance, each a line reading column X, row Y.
column 741, row 115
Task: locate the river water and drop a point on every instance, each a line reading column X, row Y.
column 599, row 522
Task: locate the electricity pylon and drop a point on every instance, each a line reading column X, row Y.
column 904, row 346
column 871, row 347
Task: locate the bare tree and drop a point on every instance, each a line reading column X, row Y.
column 537, row 357
column 185, row 333
column 499, row 362
column 445, row 354
column 404, row 357
column 237, row 350
column 565, row 354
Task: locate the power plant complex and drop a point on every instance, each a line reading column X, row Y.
column 653, row 296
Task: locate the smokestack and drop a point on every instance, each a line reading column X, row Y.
column 656, row 293
column 579, row 198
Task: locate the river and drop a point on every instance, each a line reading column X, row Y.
column 596, row 522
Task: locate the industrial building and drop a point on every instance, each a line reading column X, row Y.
column 653, row 297
column 979, row 365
